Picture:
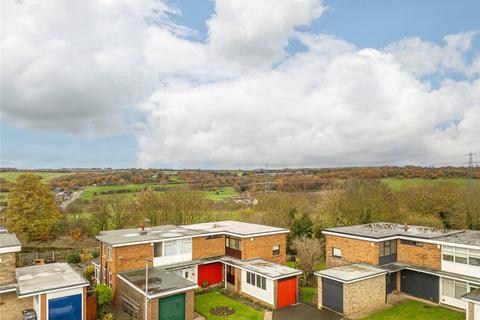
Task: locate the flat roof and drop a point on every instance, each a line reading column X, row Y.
column 167, row 232
column 473, row 296
column 467, row 237
column 43, row 278
column 379, row 230
column 351, row 273
column 270, row 269
column 159, row 281
column 9, row 240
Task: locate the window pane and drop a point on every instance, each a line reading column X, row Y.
column 460, row 257
column 475, row 252
column 460, row 289
column 448, row 257
column 157, row 249
column 448, row 288
column 447, row 249
column 264, row 283
column 168, row 249
column 381, row 251
column 474, row 261
column 259, row 281
column 394, row 246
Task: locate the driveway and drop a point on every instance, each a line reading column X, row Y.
column 302, row 311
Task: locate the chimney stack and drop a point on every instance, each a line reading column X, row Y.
column 142, row 229
column 405, row 227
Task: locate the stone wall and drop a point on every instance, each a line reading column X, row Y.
column 363, row 296
column 7, row 267
column 353, row 251
column 261, row 247
column 428, row 255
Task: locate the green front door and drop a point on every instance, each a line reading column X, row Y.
column 172, row 308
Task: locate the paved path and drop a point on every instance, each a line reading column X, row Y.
column 302, row 311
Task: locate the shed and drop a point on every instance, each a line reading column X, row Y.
column 352, row 289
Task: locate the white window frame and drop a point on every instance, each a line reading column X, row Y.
column 336, row 252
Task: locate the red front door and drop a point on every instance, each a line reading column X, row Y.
column 209, row 274
column 286, row 292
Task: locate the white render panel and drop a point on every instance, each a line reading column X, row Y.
column 460, row 268
column 259, row 293
column 476, row 312
column 160, row 261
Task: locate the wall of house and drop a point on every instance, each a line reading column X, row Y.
column 204, row 248
column 261, row 247
column 7, row 265
column 353, row 250
column 428, row 255
column 124, row 259
column 363, row 296
column 266, row 295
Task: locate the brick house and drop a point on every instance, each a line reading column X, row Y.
column 53, row 291
column 438, row 265
column 246, row 258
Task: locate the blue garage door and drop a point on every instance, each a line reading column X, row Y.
column 65, row 308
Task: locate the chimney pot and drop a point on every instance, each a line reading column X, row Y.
column 405, row 227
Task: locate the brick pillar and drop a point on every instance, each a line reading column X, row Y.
column 319, row 293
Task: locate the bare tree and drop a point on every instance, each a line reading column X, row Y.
column 309, row 252
column 99, row 214
column 121, row 210
column 183, row 206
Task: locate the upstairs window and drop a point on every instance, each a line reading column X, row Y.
column 337, row 252
column 233, row 243
column 109, row 252
column 448, row 253
column 157, row 249
column 214, row 236
column 411, row 243
column 104, row 249
column 461, row 255
column 474, row 258
column 176, row 247
column 387, row 248
column 276, row 250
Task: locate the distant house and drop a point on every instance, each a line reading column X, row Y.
column 374, row 260
column 247, row 258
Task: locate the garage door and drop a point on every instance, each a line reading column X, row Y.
column 211, row 273
column 172, row 308
column 332, row 294
column 287, row 292
column 420, row 285
column 65, row 308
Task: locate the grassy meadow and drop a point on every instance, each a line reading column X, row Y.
column 399, row 184
column 46, row 177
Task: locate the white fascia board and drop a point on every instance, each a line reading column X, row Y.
column 432, row 241
column 470, row 300
column 10, row 249
column 202, row 235
column 168, row 293
column 50, row 291
column 351, row 281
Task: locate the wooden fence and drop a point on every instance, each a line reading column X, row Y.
column 25, row 259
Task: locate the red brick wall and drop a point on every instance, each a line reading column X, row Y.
column 427, row 256
column 353, row 250
column 261, row 247
column 204, row 248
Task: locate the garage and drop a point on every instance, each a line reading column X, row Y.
column 65, row 308
column 209, row 274
column 286, row 292
column 332, row 294
column 172, row 307
column 352, row 290
column 420, row 285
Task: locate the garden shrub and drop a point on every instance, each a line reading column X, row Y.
column 73, row 258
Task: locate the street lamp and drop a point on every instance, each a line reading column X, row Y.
column 146, row 287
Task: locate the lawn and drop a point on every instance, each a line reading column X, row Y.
column 417, row 310
column 46, row 176
column 221, row 194
column 399, row 184
column 205, row 302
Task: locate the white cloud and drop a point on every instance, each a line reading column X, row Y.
column 423, row 57
column 220, row 103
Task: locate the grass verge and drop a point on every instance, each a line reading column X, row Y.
column 418, row 311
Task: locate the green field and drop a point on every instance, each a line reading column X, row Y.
column 90, row 192
column 399, row 184
column 207, row 301
column 417, row 310
column 46, row 176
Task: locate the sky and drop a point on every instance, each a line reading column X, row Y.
column 238, row 83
